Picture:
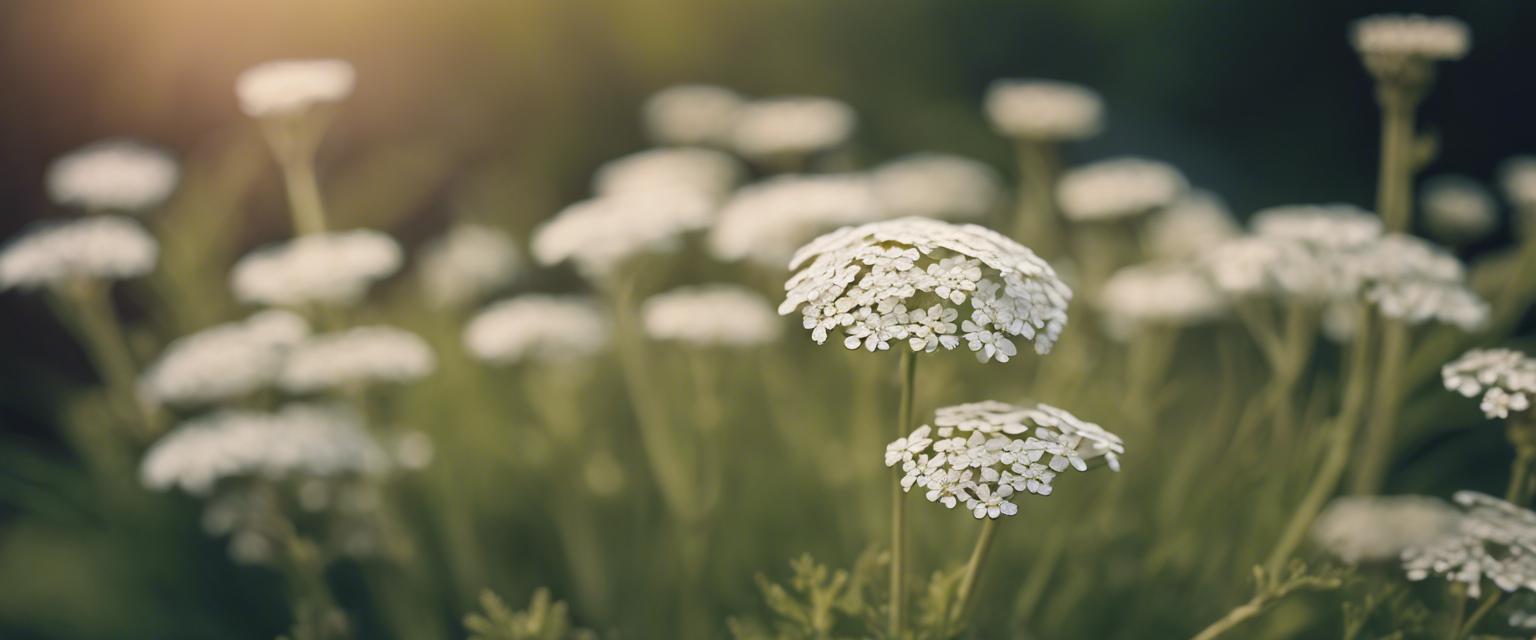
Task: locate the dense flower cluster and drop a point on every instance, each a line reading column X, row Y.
column 290, row 87
column 1411, row 280
column 910, row 279
column 1517, row 176
column 1379, row 528
column 1308, row 252
column 363, row 355
column 1189, row 227
column 705, row 172
column 223, row 362
column 1043, row 110
column 1494, row 539
column 113, row 175
column 981, row 454
column 600, row 234
column 1506, row 379
column 791, row 127
column 104, row 247
column 467, row 263
column 765, row 223
column 692, row 115
column 1118, row 188
column 707, row 315
column 1457, row 209
column 936, row 185
column 1411, row 36
column 1159, row 294
column 328, row 268
column 537, row 328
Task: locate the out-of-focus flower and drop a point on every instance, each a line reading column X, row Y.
column 1340, row 321
column 1494, row 539
column 791, row 127
column 705, row 172
column 537, row 328
column 1118, row 188
column 1517, row 176
column 1190, row 226
column 102, row 247
column 298, row 441
column 1411, row 280
column 413, row 450
column 1340, row 226
column 982, row 454
column 600, row 234
column 910, row 279
column 1411, row 36
column 765, row 223
column 290, row 87
column 1158, row 294
column 467, row 263
column 1379, row 528
column 936, row 185
column 1506, row 378
column 123, row 175
column 1458, row 210
column 1309, row 252
column 710, row 315
column 1044, row 110
column 225, row 361
column 364, row 355
column 330, row 268
column 691, row 114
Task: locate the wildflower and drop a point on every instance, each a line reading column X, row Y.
column 1430, row 39
column 707, row 315
column 1118, row 188
column 100, row 247
column 1493, row 539
column 764, row 223
column 705, row 172
column 122, row 175
column 1164, row 294
column 357, row 356
column 791, row 127
column 1518, row 178
column 1308, row 252
column 1457, row 209
column 538, row 328
column 1338, row 226
column 467, row 263
column 867, row 279
column 225, row 361
column 329, row 268
column 1190, row 226
column 292, row 87
column 1506, row 379
column 1379, row 528
column 936, row 185
column 1043, row 110
column 602, row 233
column 1411, row 280
column 692, row 114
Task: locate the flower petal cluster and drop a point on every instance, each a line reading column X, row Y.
column 1334, row 226
column 327, row 268
column 1411, row 36
column 1494, row 540
column 1505, row 378
column 1517, row 176
column 291, row 87
column 1411, row 280
column 1458, row 209
column 1044, row 110
column 1309, row 252
column 1192, row 225
column 764, row 223
column 467, row 263
column 710, row 315
column 709, row 173
column 791, row 126
column 691, row 115
column 1379, row 528
column 537, row 328
column 982, row 454
column 936, row 185
column 122, row 175
column 225, row 361
column 931, row 284
column 1165, row 294
column 98, row 247
column 1118, row 188
column 364, row 355
column 600, row 234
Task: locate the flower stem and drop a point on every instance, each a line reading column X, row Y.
column 97, row 327
column 965, row 596
column 1394, row 187
column 1036, row 222
column 1465, row 629
column 1387, row 402
column 898, row 506
column 304, row 195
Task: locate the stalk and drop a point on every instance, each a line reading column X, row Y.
column 965, row 596
column 99, row 331
column 1036, row 221
column 304, row 195
column 1394, row 187
column 898, row 506
column 1387, row 403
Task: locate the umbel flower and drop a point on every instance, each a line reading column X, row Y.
column 1493, row 539
column 1417, row 37
column 120, row 175
column 599, row 235
column 691, row 115
column 936, row 185
column 1457, row 209
column 1043, row 110
column 710, row 315
column 225, row 361
column 929, row 283
column 329, row 268
column 705, row 172
column 467, row 263
column 982, row 454
column 298, row 441
column 789, row 127
column 98, row 247
column 1158, row 294
column 1505, row 378
column 1189, row 227
column 1411, row 280
column 1517, row 176
column 364, row 355
column 764, row 223
column 1310, row 253
column 292, row 87
column 1359, row 529
column 1118, row 188
column 537, row 328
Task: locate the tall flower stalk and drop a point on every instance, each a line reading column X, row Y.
column 294, row 101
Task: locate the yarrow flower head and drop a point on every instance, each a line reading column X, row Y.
column 1494, row 539
column 467, row 263
column 225, row 361
column 1158, row 294
column 1517, row 176
column 1307, row 252
column 1118, row 188
column 709, row 315
column 1360, row 529
column 936, row 185
column 1190, row 226
column 983, row 454
column 692, row 115
column 706, row 172
column 292, row 87
column 791, row 127
column 538, row 328
column 1505, row 378
column 601, row 234
column 1426, row 38
column 1044, row 110
column 1411, row 280
column 764, row 223
column 328, row 268
column 98, row 247
column 364, row 355
column 932, row 284
column 116, row 175
column 1458, row 210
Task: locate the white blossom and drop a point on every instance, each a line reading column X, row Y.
column 97, row 247
column 691, row 114
column 707, row 315
column 1360, row 529
column 936, row 185
column 119, row 174
column 599, row 235
column 1457, row 209
column 1506, row 379
column 467, row 263
column 363, row 355
column 1517, row 176
column 326, row 268
column 1315, row 253
column 1338, row 226
column 290, row 87
column 537, row 328
column 1043, row 110
column 1494, row 540
column 1189, row 227
column 225, row 361
column 791, row 126
column 764, row 223
column 1411, row 36
column 1162, row 294
column 706, row 172
column 1118, row 188
column 1411, row 280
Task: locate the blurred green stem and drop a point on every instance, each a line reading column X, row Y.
column 87, row 306
column 1394, row 187
column 304, row 195
column 1387, row 402
column 1036, row 222
column 898, row 505
column 1464, row 629
column 965, row 596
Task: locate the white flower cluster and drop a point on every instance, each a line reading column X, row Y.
column 467, row 263
column 706, row 172
column 329, row 268
column 1457, row 209
column 299, row 440
column 225, row 361
column 104, row 247
column 791, row 126
column 709, row 315
column 122, row 175
column 764, row 223
column 1411, row 36
column 1336, row 226
column 290, row 87
column 691, row 115
column 600, row 234
column 981, row 454
column 936, row 185
column 1411, row 280
column 1379, row 528
column 1158, row 294
column 1494, row 539
column 537, row 328
column 1517, row 176
column 1118, row 188
column 1310, row 252
column 1189, row 227
column 910, row 278
column 363, row 355
column 1506, row 379
column 1043, row 110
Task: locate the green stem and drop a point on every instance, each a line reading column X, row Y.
column 1482, row 610
column 1516, row 294
column 304, row 200
column 898, row 505
column 97, row 327
column 1394, row 187
column 1372, row 470
column 1036, row 222
column 965, row 596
